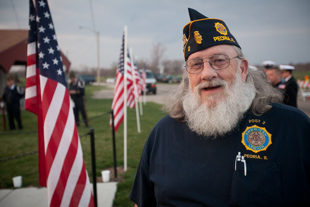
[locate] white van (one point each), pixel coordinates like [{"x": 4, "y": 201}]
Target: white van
[{"x": 150, "y": 81}]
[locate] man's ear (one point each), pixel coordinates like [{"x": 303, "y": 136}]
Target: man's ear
[{"x": 244, "y": 66}]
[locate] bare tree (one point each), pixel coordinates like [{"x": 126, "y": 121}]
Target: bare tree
[
  {"x": 157, "y": 55},
  {"x": 173, "y": 67}
]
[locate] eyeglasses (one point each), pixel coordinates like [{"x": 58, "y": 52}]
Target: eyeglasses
[{"x": 217, "y": 62}]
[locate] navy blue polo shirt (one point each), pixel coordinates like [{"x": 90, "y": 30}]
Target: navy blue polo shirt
[{"x": 264, "y": 161}]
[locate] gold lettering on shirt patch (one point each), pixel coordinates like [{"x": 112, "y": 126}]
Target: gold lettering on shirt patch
[
  {"x": 252, "y": 156},
  {"x": 254, "y": 121}
]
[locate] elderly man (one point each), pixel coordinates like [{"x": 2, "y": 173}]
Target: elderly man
[{"x": 225, "y": 142}]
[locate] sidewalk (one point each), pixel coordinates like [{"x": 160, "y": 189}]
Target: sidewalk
[{"x": 37, "y": 197}]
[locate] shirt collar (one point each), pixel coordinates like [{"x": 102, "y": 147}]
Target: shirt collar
[
  {"x": 12, "y": 87},
  {"x": 286, "y": 79}
]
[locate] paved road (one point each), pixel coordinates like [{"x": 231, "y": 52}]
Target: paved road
[
  {"x": 163, "y": 89},
  {"x": 37, "y": 197},
  {"x": 304, "y": 105}
]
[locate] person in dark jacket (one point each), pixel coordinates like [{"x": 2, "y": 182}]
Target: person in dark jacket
[
  {"x": 227, "y": 140},
  {"x": 11, "y": 96},
  {"x": 291, "y": 86},
  {"x": 77, "y": 91}
]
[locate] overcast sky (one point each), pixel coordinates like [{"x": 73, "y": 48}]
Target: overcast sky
[{"x": 277, "y": 30}]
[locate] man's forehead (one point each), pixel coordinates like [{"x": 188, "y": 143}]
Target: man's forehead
[{"x": 215, "y": 50}]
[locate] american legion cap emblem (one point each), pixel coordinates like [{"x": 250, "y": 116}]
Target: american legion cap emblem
[
  {"x": 256, "y": 138},
  {"x": 221, "y": 28}
]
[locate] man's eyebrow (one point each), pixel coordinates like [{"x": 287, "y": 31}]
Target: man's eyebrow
[{"x": 208, "y": 56}]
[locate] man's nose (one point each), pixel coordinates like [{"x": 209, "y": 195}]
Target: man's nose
[{"x": 208, "y": 73}]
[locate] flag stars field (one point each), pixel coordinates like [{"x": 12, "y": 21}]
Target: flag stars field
[
  {"x": 42, "y": 29},
  {"x": 51, "y": 50},
  {"x": 31, "y": 18},
  {"x": 55, "y": 61},
  {"x": 41, "y": 55},
  {"x": 46, "y": 40},
  {"x": 59, "y": 72},
  {"x": 45, "y": 65},
  {"x": 42, "y": 4},
  {"x": 46, "y": 15}
]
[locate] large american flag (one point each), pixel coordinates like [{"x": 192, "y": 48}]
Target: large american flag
[
  {"x": 118, "y": 99},
  {"x": 62, "y": 168}
]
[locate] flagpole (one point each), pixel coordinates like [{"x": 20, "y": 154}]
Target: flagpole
[
  {"x": 144, "y": 87},
  {"x": 125, "y": 99},
  {"x": 136, "y": 90},
  {"x": 141, "y": 108}
]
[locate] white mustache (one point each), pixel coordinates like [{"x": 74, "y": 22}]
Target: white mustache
[{"x": 213, "y": 83}]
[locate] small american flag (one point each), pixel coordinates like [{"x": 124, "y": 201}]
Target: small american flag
[
  {"x": 60, "y": 153},
  {"x": 118, "y": 99},
  {"x": 138, "y": 80},
  {"x": 143, "y": 76},
  {"x": 131, "y": 103}
]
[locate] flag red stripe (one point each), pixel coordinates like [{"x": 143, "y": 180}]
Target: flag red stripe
[
  {"x": 47, "y": 96},
  {"x": 117, "y": 120},
  {"x": 57, "y": 133},
  {"x": 31, "y": 81},
  {"x": 78, "y": 191},
  {"x": 30, "y": 105},
  {"x": 31, "y": 59},
  {"x": 66, "y": 168}
]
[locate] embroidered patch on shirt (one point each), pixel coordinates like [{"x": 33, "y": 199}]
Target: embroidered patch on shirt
[{"x": 256, "y": 138}]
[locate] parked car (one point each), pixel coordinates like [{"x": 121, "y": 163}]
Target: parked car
[
  {"x": 88, "y": 79},
  {"x": 150, "y": 82},
  {"x": 173, "y": 79},
  {"x": 160, "y": 77},
  {"x": 168, "y": 78}
]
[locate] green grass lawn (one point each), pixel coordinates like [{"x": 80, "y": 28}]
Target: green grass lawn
[
  {"x": 301, "y": 74},
  {"x": 15, "y": 143}
]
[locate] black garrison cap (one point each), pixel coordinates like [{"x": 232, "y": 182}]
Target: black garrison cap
[{"x": 203, "y": 32}]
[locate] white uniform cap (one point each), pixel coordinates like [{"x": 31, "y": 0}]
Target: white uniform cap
[
  {"x": 252, "y": 67},
  {"x": 286, "y": 67},
  {"x": 269, "y": 63}
]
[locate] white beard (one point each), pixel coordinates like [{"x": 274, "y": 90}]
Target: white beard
[{"x": 213, "y": 120}]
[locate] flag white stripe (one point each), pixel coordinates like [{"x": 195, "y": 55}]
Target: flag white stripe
[
  {"x": 118, "y": 103},
  {"x": 31, "y": 92},
  {"x": 31, "y": 71},
  {"x": 86, "y": 194},
  {"x": 31, "y": 48},
  {"x": 73, "y": 177},
  {"x": 119, "y": 86},
  {"x": 119, "y": 116},
  {"x": 53, "y": 113},
  {"x": 61, "y": 154},
  {"x": 42, "y": 84}
]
